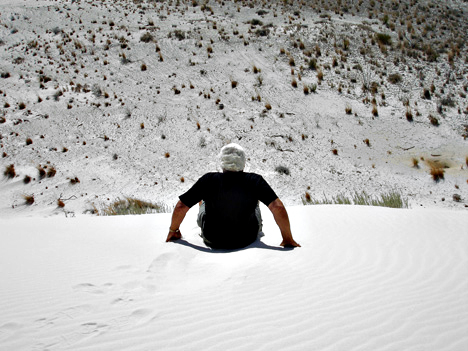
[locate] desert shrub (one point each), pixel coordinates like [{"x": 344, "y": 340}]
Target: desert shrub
[
  {"x": 143, "y": 67},
  {"x": 124, "y": 60},
  {"x": 21, "y": 106},
  {"x": 426, "y": 94},
  {"x": 434, "y": 121},
  {"x": 74, "y": 180},
  {"x": 29, "y": 141},
  {"x": 320, "y": 76},
  {"x": 383, "y": 38},
  {"x": 147, "y": 37},
  {"x": 348, "y": 110},
  {"x": 42, "y": 172},
  {"x": 282, "y": 170},
  {"x": 5, "y": 75},
  {"x": 394, "y": 78},
  {"x": 131, "y": 206},
  {"x": 447, "y": 101},
  {"x": 409, "y": 115},
  {"x": 375, "y": 112},
  {"x": 294, "y": 83},
  {"x": 179, "y": 34},
  {"x": 415, "y": 162},
  {"x": 26, "y": 179},
  {"x": 335, "y": 152},
  {"x": 233, "y": 83},
  {"x": 10, "y": 171},
  {"x": 256, "y": 22},
  {"x": 312, "y": 64},
  {"x": 29, "y": 199},
  {"x": 268, "y": 106},
  {"x": 262, "y": 32},
  {"x": 51, "y": 172},
  {"x": 436, "y": 170},
  {"x": 60, "y": 203},
  {"x": 57, "y": 95},
  {"x": 96, "y": 90}
]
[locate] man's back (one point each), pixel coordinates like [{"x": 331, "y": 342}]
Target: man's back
[{"x": 230, "y": 200}]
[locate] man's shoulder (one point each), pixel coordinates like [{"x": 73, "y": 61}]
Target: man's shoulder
[{"x": 253, "y": 175}]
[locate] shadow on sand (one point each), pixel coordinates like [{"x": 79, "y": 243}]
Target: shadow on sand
[{"x": 258, "y": 244}]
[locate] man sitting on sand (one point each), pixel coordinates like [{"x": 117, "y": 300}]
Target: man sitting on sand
[{"x": 229, "y": 215}]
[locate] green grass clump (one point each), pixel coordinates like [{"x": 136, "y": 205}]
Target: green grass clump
[
  {"x": 392, "y": 199},
  {"x": 131, "y": 206}
]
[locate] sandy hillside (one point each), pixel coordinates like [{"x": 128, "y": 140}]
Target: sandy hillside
[{"x": 119, "y": 98}]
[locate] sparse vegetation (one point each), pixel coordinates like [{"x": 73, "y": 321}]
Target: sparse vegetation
[
  {"x": 10, "y": 171},
  {"x": 392, "y": 199},
  {"x": 282, "y": 170},
  {"x": 436, "y": 170},
  {"x": 434, "y": 121},
  {"x": 147, "y": 37},
  {"x": 28, "y": 199},
  {"x": 131, "y": 206}
]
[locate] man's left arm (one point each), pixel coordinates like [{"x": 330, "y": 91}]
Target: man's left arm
[{"x": 178, "y": 216}]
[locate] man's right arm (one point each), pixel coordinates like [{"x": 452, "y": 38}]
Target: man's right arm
[{"x": 282, "y": 220}]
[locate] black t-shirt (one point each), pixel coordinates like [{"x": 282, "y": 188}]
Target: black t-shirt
[{"x": 230, "y": 200}]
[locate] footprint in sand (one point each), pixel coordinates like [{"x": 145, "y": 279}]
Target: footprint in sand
[
  {"x": 93, "y": 289},
  {"x": 66, "y": 314},
  {"x": 136, "y": 318},
  {"x": 65, "y": 341}
]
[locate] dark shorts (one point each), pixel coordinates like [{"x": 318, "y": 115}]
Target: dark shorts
[{"x": 201, "y": 220}]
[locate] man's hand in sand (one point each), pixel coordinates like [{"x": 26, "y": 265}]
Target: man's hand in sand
[
  {"x": 173, "y": 236},
  {"x": 289, "y": 243}
]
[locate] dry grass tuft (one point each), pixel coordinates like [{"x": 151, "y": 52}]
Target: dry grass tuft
[
  {"x": 29, "y": 199},
  {"x": 409, "y": 115},
  {"x": 436, "y": 170},
  {"x": 42, "y": 172},
  {"x": 320, "y": 76},
  {"x": 10, "y": 171},
  {"x": 434, "y": 121},
  {"x": 131, "y": 206},
  {"x": 51, "y": 172},
  {"x": 74, "y": 181}
]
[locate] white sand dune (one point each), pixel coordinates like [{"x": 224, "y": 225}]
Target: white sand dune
[{"x": 364, "y": 279}]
